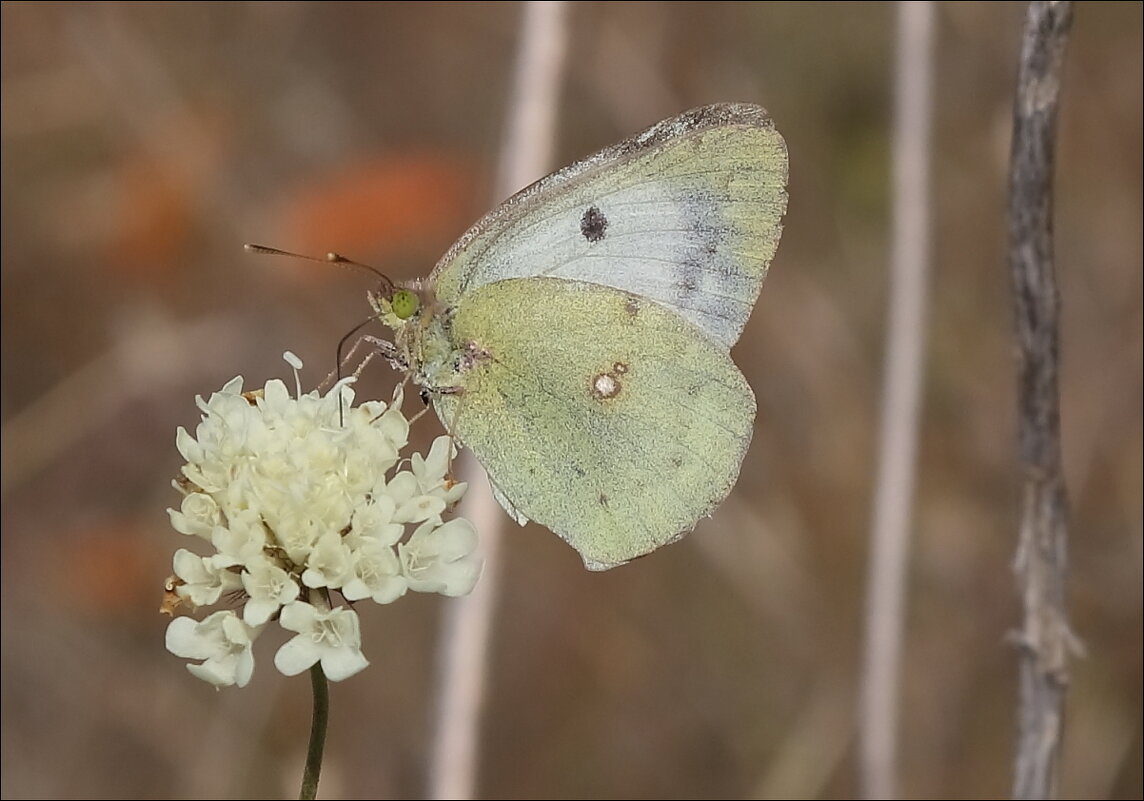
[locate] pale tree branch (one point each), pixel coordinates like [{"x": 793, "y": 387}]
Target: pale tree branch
[
  {"x": 465, "y": 634},
  {"x": 901, "y": 403},
  {"x": 1042, "y": 557}
]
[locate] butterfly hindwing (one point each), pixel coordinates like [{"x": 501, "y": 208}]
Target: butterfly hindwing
[{"x": 601, "y": 415}]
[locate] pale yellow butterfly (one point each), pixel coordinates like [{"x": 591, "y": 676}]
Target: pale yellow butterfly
[{"x": 577, "y": 338}]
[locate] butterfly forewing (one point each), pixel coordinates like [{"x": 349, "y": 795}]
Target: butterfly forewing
[{"x": 687, "y": 213}]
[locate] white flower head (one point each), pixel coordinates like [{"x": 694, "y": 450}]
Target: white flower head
[{"x": 297, "y": 495}]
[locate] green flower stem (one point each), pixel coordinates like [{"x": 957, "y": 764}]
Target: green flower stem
[{"x": 313, "y": 770}]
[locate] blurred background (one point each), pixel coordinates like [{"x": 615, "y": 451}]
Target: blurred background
[{"x": 144, "y": 143}]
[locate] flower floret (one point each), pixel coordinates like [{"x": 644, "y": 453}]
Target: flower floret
[
  {"x": 221, "y": 640},
  {"x": 442, "y": 558},
  {"x": 332, "y": 637}
]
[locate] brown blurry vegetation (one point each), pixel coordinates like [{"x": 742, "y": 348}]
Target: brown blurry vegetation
[{"x": 144, "y": 143}]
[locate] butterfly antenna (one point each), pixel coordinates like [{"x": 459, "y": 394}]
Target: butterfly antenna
[
  {"x": 334, "y": 258},
  {"x": 329, "y": 258}
]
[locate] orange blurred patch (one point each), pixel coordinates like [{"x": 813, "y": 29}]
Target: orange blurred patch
[
  {"x": 157, "y": 198},
  {"x": 107, "y": 569},
  {"x": 154, "y": 218},
  {"x": 390, "y": 204}
]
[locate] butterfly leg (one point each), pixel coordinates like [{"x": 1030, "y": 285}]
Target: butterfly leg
[
  {"x": 470, "y": 355},
  {"x": 427, "y": 394},
  {"x": 380, "y": 347}
]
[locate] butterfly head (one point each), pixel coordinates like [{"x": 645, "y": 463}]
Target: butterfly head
[{"x": 395, "y": 306}]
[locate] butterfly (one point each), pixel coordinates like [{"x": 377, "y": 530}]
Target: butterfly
[{"x": 576, "y": 339}]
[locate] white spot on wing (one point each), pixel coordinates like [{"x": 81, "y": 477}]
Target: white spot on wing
[{"x": 605, "y": 386}]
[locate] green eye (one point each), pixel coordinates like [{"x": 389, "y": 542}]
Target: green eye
[{"x": 404, "y": 304}]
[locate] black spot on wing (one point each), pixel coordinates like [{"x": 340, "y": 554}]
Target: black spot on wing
[{"x": 593, "y": 224}]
